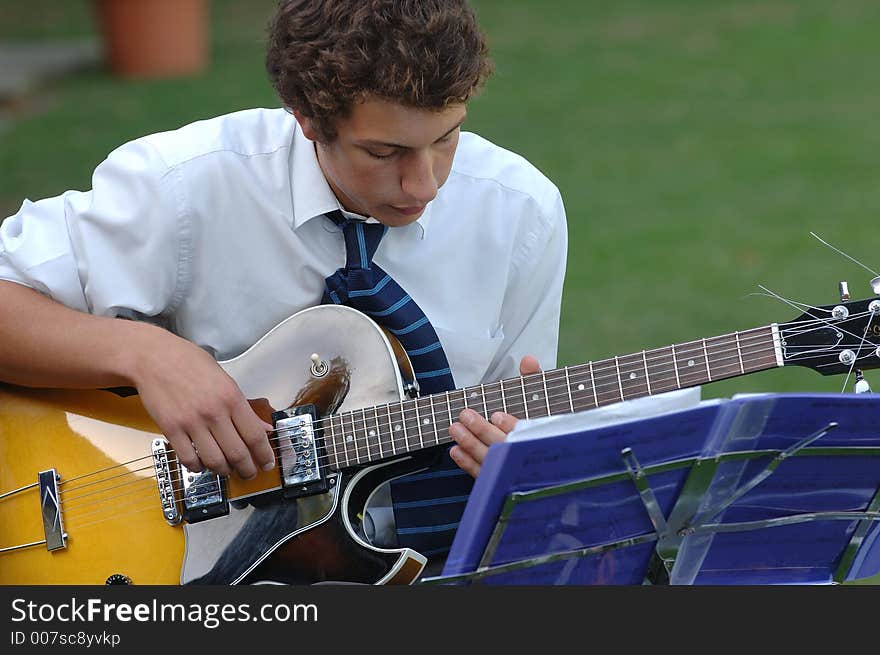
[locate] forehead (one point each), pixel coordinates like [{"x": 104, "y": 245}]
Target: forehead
[{"x": 376, "y": 120}]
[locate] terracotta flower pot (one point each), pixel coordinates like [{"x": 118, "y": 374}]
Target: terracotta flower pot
[{"x": 154, "y": 38}]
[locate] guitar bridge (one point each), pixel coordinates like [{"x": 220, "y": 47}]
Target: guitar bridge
[
  {"x": 302, "y": 473},
  {"x": 203, "y": 494}
]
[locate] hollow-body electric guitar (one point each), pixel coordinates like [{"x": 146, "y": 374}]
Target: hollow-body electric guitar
[{"x": 91, "y": 493}]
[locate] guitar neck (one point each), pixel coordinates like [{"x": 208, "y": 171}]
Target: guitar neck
[{"x": 374, "y": 433}]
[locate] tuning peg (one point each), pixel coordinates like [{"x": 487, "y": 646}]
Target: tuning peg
[
  {"x": 862, "y": 385},
  {"x": 875, "y": 285},
  {"x": 844, "y": 291}
]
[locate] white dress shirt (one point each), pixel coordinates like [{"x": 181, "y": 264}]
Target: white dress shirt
[{"x": 215, "y": 231}]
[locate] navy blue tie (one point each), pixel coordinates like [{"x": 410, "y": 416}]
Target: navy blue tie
[{"x": 428, "y": 505}]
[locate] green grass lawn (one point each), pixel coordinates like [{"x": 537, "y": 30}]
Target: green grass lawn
[{"x": 696, "y": 144}]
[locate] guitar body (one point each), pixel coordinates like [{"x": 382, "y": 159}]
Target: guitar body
[{"x": 99, "y": 444}]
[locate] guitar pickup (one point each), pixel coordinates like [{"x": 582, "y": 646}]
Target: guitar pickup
[
  {"x": 302, "y": 472},
  {"x": 204, "y": 495}
]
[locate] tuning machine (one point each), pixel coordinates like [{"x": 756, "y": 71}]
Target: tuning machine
[{"x": 875, "y": 285}]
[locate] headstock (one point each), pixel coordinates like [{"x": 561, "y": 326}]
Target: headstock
[{"x": 835, "y": 338}]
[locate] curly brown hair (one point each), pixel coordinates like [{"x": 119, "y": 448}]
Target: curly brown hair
[{"x": 324, "y": 56}]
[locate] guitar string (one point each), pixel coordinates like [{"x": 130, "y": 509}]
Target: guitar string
[
  {"x": 575, "y": 369},
  {"x": 572, "y": 370},
  {"x": 151, "y": 479},
  {"x": 514, "y": 403}
]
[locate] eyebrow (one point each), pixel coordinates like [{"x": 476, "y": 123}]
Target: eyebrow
[{"x": 397, "y": 145}]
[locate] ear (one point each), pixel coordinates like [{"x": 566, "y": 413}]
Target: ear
[{"x": 308, "y": 127}]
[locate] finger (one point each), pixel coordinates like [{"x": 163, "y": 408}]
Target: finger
[
  {"x": 529, "y": 365},
  {"x": 483, "y": 429},
  {"x": 465, "y": 462},
  {"x": 468, "y": 442},
  {"x": 504, "y": 422},
  {"x": 186, "y": 453},
  {"x": 234, "y": 448},
  {"x": 253, "y": 431},
  {"x": 208, "y": 451}
]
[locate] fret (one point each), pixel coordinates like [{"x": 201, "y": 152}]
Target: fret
[
  {"x": 350, "y": 437},
  {"x": 536, "y": 396},
  {"x": 647, "y": 377},
  {"x": 449, "y": 409},
  {"x": 391, "y": 430},
  {"x": 464, "y": 397},
  {"x": 344, "y": 443},
  {"x": 333, "y": 443},
  {"x": 485, "y": 408},
  {"x": 568, "y": 388},
  {"x": 606, "y": 379},
  {"x": 400, "y": 426},
  {"x": 546, "y": 393},
  {"x": 723, "y": 363},
  {"x": 758, "y": 351},
  {"x": 593, "y": 384},
  {"x": 675, "y": 368},
  {"x": 742, "y": 369},
  {"x": 522, "y": 385},
  {"x": 691, "y": 363},
  {"x": 411, "y": 426},
  {"x": 492, "y": 399},
  {"x": 434, "y": 421},
  {"x": 619, "y": 381},
  {"x": 374, "y": 450},
  {"x": 503, "y": 399},
  {"x": 632, "y": 377},
  {"x": 378, "y": 431},
  {"x": 424, "y": 411},
  {"x": 661, "y": 370},
  {"x": 556, "y": 392},
  {"x": 419, "y": 424},
  {"x": 706, "y": 355},
  {"x": 578, "y": 380}
]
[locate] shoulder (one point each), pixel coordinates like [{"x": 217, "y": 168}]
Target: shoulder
[
  {"x": 243, "y": 134},
  {"x": 488, "y": 169}
]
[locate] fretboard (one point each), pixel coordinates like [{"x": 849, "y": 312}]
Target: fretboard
[{"x": 370, "y": 434}]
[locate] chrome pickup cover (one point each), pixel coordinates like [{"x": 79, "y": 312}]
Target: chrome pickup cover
[{"x": 301, "y": 470}]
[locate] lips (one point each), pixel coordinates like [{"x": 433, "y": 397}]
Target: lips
[{"x": 409, "y": 211}]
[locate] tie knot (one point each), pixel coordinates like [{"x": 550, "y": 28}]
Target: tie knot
[{"x": 361, "y": 239}]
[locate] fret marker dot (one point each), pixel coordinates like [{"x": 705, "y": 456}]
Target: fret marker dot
[
  {"x": 426, "y": 421},
  {"x": 397, "y": 428},
  {"x": 690, "y": 362},
  {"x": 372, "y": 433},
  {"x": 535, "y": 396},
  {"x": 349, "y": 438},
  {"x": 632, "y": 376},
  {"x": 580, "y": 387},
  {"x": 473, "y": 394}
]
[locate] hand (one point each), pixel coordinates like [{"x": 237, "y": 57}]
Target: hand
[
  {"x": 199, "y": 407},
  {"x": 474, "y": 434}
]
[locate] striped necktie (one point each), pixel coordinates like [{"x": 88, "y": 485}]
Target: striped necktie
[{"x": 427, "y": 505}]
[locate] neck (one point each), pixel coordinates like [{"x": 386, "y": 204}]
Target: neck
[{"x": 374, "y": 433}]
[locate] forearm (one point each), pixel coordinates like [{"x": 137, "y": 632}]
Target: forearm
[{"x": 45, "y": 344}]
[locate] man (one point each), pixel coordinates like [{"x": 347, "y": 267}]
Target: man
[{"x": 208, "y": 236}]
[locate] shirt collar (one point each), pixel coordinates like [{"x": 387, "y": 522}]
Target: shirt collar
[{"x": 312, "y": 195}]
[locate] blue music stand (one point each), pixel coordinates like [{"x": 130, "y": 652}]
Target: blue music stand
[{"x": 759, "y": 489}]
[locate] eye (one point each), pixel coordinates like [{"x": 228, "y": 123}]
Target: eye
[{"x": 378, "y": 155}]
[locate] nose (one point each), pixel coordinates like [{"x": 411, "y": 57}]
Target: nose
[{"x": 417, "y": 179}]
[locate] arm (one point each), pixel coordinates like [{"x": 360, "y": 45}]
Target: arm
[
  {"x": 191, "y": 399},
  {"x": 109, "y": 252}
]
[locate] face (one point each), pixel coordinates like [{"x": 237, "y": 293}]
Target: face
[{"x": 388, "y": 160}]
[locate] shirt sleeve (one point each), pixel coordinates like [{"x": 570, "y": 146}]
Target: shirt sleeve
[
  {"x": 533, "y": 300},
  {"x": 112, "y": 251}
]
